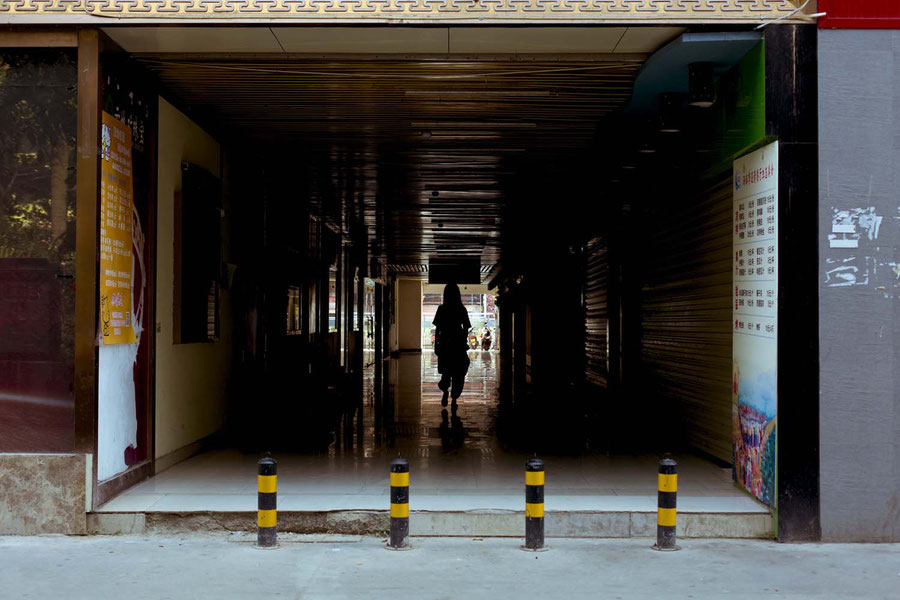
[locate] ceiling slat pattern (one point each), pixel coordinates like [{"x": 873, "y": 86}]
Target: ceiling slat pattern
[{"x": 432, "y": 150}]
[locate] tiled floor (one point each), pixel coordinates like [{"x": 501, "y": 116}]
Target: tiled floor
[{"x": 456, "y": 464}]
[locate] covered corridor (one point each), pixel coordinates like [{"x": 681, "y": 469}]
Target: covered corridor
[{"x": 349, "y": 182}]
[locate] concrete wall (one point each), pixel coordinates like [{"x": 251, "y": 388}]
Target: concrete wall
[
  {"x": 409, "y": 314},
  {"x": 859, "y": 303},
  {"x": 191, "y": 379}
]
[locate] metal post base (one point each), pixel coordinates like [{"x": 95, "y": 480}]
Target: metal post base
[{"x": 398, "y": 548}]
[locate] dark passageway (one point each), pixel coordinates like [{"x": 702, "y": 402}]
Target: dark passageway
[{"x": 587, "y": 195}]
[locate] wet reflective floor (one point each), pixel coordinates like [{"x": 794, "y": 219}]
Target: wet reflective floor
[
  {"x": 424, "y": 430},
  {"x": 457, "y": 461}
]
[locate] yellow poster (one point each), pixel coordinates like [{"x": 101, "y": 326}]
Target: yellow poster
[{"x": 116, "y": 222}]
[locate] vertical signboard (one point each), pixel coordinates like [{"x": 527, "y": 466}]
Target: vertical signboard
[
  {"x": 755, "y": 320},
  {"x": 116, "y": 222}
]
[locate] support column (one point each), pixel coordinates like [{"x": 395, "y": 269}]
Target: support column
[
  {"x": 86, "y": 240},
  {"x": 409, "y": 314},
  {"x": 792, "y": 117},
  {"x": 505, "y": 340},
  {"x": 378, "y": 382}
]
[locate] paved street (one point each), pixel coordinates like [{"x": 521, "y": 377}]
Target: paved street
[{"x": 311, "y": 567}]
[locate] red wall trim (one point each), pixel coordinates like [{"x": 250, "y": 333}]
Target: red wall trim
[{"x": 859, "y": 14}]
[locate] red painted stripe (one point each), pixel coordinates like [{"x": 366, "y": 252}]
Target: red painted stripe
[{"x": 855, "y": 14}]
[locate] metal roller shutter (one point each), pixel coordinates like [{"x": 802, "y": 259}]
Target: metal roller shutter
[
  {"x": 596, "y": 334},
  {"x": 686, "y": 316}
]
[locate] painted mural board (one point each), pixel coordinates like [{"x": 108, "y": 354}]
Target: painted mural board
[
  {"x": 755, "y": 321},
  {"x": 116, "y": 224}
]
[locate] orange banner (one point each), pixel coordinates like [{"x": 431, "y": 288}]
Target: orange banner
[{"x": 116, "y": 225}]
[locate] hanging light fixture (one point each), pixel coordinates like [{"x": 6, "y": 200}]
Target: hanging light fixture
[
  {"x": 670, "y": 112},
  {"x": 701, "y": 84},
  {"x": 646, "y": 148}
]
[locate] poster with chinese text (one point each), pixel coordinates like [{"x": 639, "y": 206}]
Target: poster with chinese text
[
  {"x": 116, "y": 223},
  {"x": 755, "y": 321}
]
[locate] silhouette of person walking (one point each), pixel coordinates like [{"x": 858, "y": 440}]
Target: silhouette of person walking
[{"x": 451, "y": 323}]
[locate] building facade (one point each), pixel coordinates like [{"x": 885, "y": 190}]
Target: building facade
[{"x": 265, "y": 295}]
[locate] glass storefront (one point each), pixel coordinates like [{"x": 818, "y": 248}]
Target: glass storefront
[{"x": 37, "y": 249}]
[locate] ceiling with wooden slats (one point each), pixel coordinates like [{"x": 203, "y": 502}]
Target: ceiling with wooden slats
[{"x": 434, "y": 151}]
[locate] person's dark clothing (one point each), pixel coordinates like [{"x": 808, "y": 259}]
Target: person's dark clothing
[
  {"x": 454, "y": 381},
  {"x": 452, "y": 325}
]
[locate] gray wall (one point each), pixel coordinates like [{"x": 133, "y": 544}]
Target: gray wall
[{"x": 859, "y": 304}]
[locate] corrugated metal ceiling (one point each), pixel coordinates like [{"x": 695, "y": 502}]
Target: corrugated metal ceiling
[{"x": 429, "y": 145}]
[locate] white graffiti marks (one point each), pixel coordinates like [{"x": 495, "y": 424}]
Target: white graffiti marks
[
  {"x": 850, "y": 225},
  {"x": 853, "y": 270},
  {"x": 871, "y": 262}
]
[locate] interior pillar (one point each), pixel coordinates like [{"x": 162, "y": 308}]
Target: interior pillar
[
  {"x": 378, "y": 381},
  {"x": 409, "y": 317},
  {"x": 792, "y": 117}
]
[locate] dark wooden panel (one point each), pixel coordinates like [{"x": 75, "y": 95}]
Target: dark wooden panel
[
  {"x": 38, "y": 38},
  {"x": 110, "y": 488},
  {"x": 86, "y": 242}
]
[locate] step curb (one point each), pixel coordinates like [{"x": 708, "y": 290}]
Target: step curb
[{"x": 470, "y": 523}]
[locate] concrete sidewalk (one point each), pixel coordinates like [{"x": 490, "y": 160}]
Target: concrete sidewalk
[{"x": 227, "y": 567}]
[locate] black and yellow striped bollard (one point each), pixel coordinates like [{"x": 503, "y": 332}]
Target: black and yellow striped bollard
[
  {"x": 666, "y": 503},
  {"x": 534, "y": 505},
  {"x": 266, "y": 515},
  {"x": 399, "y": 539}
]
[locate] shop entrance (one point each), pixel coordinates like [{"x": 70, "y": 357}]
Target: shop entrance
[{"x": 338, "y": 193}]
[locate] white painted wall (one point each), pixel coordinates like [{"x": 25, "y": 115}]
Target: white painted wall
[
  {"x": 191, "y": 379},
  {"x": 116, "y": 412}
]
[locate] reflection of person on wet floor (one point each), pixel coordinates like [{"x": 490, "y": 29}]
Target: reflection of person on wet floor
[
  {"x": 451, "y": 431},
  {"x": 451, "y": 323}
]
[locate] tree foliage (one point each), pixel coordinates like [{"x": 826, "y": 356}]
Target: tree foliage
[{"x": 37, "y": 141}]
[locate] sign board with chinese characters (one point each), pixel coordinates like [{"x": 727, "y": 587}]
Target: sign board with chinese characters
[
  {"x": 116, "y": 223},
  {"x": 755, "y": 320}
]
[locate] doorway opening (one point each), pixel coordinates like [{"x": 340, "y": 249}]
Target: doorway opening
[{"x": 344, "y": 179}]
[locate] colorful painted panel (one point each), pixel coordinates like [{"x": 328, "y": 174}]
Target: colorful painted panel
[{"x": 755, "y": 320}]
